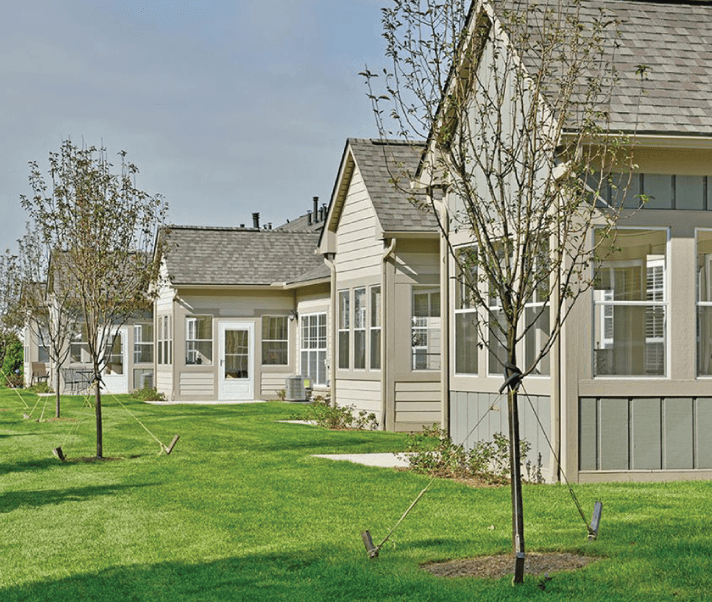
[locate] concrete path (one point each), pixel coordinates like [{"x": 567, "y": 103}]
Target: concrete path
[
  {"x": 203, "y": 403},
  {"x": 382, "y": 460}
]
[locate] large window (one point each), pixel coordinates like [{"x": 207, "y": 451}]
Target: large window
[
  {"x": 375, "y": 329},
  {"x": 79, "y": 347},
  {"x": 630, "y": 304},
  {"x": 704, "y": 302},
  {"x": 425, "y": 331},
  {"x": 199, "y": 340},
  {"x": 466, "y": 338},
  {"x": 275, "y": 340},
  {"x": 360, "y": 329},
  {"x": 344, "y": 326},
  {"x": 313, "y": 347},
  {"x": 143, "y": 343},
  {"x": 42, "y": 346},
  {"x": 165, "y": 340}
]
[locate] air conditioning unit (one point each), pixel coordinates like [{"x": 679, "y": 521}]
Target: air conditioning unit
[{"x": 294, "y": 388}]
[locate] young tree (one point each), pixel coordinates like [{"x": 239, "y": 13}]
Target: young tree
[
  {"x": 100, "y": 229},
  {"x": 514, "y": 100}
]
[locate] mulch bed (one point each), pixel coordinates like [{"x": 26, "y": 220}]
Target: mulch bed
[{"x": 496, "y": 567}]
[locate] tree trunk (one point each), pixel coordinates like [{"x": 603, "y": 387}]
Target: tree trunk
[
  {"x": 56, "y": 389},
  {"x": 516, "y": 485},
  {"x": 99, "y": 432}
]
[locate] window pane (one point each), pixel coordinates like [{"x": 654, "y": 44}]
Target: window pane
[
  {"x": 425, "y": 331},
  {"x": 689, "y": 192},
  {"x": 344, "y": 350},
  {"x": 199, "y": 340},
  {"x": 360, "y": 308},
  {"x": 344, "y": 309},
  {"x": 375, "y": 349},
  {"x": 275, "y": 340},
  {"x": 497, "y": 350},
  {"x": 630, "y": 311},
  {"x": 466, "y": 343},
  {"x": 535, "y": 338},
  {"x": 658, "y": 189},
  {"x": 375, "y": 306},
  {"x": 359, "y": 349},
  {"x": 275, "y": 353}
]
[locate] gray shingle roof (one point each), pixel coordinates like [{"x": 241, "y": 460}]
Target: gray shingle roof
[
  {"x": 673, "y": 39},
  {"x": 382, "y": 164},
  {"x": 239, "y": 256}
]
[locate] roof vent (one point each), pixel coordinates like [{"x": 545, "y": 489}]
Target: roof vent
[{"x": 256, "y": 220}]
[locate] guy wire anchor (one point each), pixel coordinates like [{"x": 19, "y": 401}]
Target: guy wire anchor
[{"x": 595, "y": 521}]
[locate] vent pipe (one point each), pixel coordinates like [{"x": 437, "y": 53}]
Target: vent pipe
[
  {"x": 256, "y": 220},
  {"x": 309, "y": 218},
  {"x": 315, "y": 212}
]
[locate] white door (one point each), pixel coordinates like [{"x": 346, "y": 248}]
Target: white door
[
  {"x": 237, "y": 377},
  {"x": 116, "y": 372}
]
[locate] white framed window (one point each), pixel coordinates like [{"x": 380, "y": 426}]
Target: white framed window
[
  {"x": 165, "y": 340},
  {"x": 313, "y": 347},
  {"x": 360, "y": 329},
  {"x": 344, "y": 329},
  {"x": 375, "y": 329},
  {"x": 275, "y": 340},
  {"x": 199, "y": 340},
  {"x": 425, "y": 329},
  {"x": 630, "y": 303},
  {"x": 79, "y": 345},
  {"x": 466, "y": 319},
  {"x": 143, "y": 343}
]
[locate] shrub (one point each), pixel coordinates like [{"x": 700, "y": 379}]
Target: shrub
[
  {"x": 12, "y": 366},
  {"x": 41, "y": 388},
  {"x": 432, "y": 452},
  {"x": 332, "y": 416},
  {"x": 148, "y": 394},
  {"x": 281, "y": 395}
]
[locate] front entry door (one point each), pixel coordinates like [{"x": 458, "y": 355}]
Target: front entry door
[
  {"x": 116, "y": 372},
  {"x": 237, "y": 378}
]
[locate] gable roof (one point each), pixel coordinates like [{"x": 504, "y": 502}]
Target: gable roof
[
  {"x": 383, "y": 165},
  {"x": 674, "y": 41},
  {"x": 198, "y": 255}
]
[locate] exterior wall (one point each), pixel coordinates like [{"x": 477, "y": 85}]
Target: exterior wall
[
  {"x": 413, "y": 396},
  {"x": 644, "y": 427},
  {"x": 201, "y": 382}
]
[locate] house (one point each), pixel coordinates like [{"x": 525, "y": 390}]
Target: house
[
  {"x": 239, "y": 311},
  {"x": 385, "y": 256},
  {"x": 626, "y": 393}
]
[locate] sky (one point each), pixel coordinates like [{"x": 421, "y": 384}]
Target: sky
[{"x": 226, "y": 107}]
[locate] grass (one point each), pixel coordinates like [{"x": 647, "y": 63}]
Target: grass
[{"x": 242, "y": 511}]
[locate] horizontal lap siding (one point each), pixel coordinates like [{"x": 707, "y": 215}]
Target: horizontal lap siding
[
  {"x": 645, "y": 433},
  {"x": 196, "y": 384},
  {"x": 273, "y": 382},
  {"x": 478, "y": 416},
  {"x": 362, "y": 394},
  {"x": 164, "y": 382},
  {"x": 358, "y": 252},
  {"x": 417, "y": 404}
]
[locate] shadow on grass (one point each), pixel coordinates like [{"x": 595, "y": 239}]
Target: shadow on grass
[
  {"x": 29, "y": 465},
  {"x": 35, "y": 499},
  {"x": 299, "y": 576}
]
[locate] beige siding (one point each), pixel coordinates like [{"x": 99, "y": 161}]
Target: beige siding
[
  {"x": 271, "y": 382},
  {"x": 362, "y": 394},
  {"x": 417, "y": 405},
  {"x": 358, "y": 252},
  {"x": 196, "y": 384}
]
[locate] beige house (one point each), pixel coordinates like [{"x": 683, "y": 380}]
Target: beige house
[
  {"x": 384, "y": 255},
  {"x": 626, "y": 394},
  {"x": 240, "y": 310}
]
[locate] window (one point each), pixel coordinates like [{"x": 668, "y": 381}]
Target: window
[
  {"x": 375, "y": 329},
  {"x": 537, "y": 318},
  {"x": 704, "y": 302},
  {"x": 344, "y": 325},
  {"x": 114, "y": 354},
  {"x": 79, "y": 347},
  {"x": 275, "y": 340},
  {"x": 465, "y": 312},
  {"x": 630, "y": 304},
  {"x": 360, "y": 329},
  {"x": 313, "y": 347},
  {"x": 143, "y": 343},
  {"x": 661, "y": 191},
  {"x": 42, "y": 346},
  {"x": 199, "y": 340},
  {"x": 425, "y": 331},
  {"x": 165, "y": 340}
]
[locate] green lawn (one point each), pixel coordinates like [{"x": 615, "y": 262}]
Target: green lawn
[{"x": 241, "y": 511}]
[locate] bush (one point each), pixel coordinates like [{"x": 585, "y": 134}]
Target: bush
[
  {"x": 148, "y": 394},
  {"x": 335, "y": 417},
  {"x": 41, "y": 388},
  {"x": 432, "y": 452},
  {"x": 12, "y": 366}
]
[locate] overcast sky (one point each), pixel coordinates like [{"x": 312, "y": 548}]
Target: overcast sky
[{"x": 226, "y": 107}]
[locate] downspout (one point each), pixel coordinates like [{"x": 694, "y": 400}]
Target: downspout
[
  {"x": 390, "y": 249},
  {"x": 331, "y": 263}
]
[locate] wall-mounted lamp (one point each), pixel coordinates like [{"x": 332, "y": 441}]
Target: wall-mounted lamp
[{"x": 293, "y": 315}]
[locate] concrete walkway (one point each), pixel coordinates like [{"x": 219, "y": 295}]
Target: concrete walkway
[
  {"x": 381, "y": 460},
  {"x": 203, "y": 403}
]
